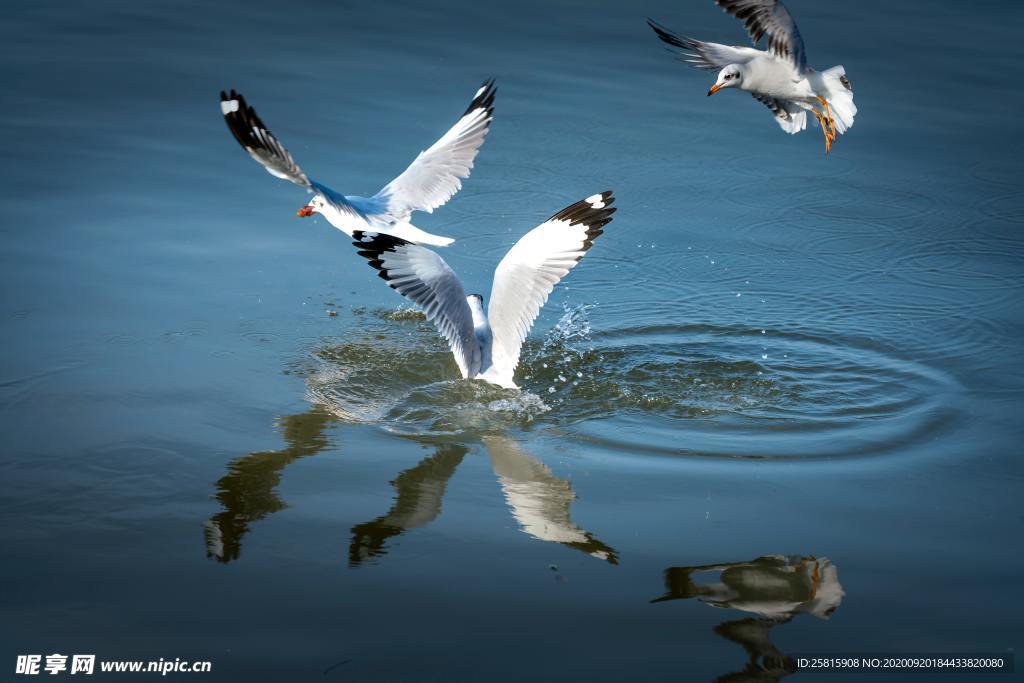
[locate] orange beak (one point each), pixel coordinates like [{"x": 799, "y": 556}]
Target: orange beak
[
  {"x": 715, "y": 88},
  {"x": 305, "y": 211}
]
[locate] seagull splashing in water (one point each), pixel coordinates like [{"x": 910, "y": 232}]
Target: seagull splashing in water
[
  {"x": 486, "y": 344},
  {"x": 430, "y": 181},
  {"x": 777, "y": 77}
]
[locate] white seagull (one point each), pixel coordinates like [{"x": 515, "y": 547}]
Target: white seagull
[
  {"x": 778, "y": 77},
  {"x": 430, "y": 181},
  {"x": 486, "y": 345}
]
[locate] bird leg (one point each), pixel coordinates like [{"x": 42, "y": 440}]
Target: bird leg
[
  {"x": 828, "y": 114},
  {"x": 824, "y": 130}
]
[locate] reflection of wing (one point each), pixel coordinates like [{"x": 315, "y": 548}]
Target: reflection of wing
[
  {"x": 771, "y": 18},
  {"x": 703, "y": 55},
  {"x": 539, "y": 500},
  {"x": 418, "y": 494},
  {"x": 437, "y": 173},
  {"x": 257, "y": 140},
  {"x": 247, "y": 491},
  {"x": 423, "y": 277},
  {"x": 529, "y": 272}
]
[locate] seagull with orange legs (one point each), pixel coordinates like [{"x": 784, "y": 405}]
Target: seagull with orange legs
[
  {"x": 777, "y": 77},
  {"x": 430, "y": 181}
]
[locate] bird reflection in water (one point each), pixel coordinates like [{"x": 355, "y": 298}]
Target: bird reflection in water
[
  {"x": 538, "y": 500},
  {"x": 247, "y": 491},
  {"x": 417, "y": 503},
  {"x": 775, "y": 588}
]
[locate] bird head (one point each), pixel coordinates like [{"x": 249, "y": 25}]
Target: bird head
[
  {"x": 729, "y": 77},
  {"x": 315, "y": 205}
]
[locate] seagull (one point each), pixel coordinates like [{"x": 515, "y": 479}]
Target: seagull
[
  {"x": 779, "y": 78},
  {"x": 486, "y": 345},
  {"x": 430, "y": 181}
]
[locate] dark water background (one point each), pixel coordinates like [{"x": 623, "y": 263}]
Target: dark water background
[{"x": 784, "y": 386}]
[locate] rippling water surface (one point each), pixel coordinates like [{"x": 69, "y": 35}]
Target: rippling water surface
[{"x": 779, "y": 385}]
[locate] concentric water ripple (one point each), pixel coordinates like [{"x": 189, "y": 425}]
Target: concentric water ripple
[
  {"x": 694, "y": 390},
  {"x": 740, "y": 393}
]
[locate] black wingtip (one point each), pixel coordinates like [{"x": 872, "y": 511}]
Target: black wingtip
[
  {"x": 484, "y": 98},
  {"x": 663, "y": 32},
  {"x": 594, "y": 212},
  {"x": 371, "y": 245},
  {"x": 673, "y": 39},
  {"x": 377, "y": 241},
  {"x": 240, "y": 119}
]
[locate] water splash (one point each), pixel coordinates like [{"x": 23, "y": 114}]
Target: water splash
[{"x": 679, "y": 389}]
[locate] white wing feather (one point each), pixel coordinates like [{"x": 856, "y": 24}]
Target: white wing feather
[
  {"x": 771, "y": 18},
  {"x": 790, "y": 116},
  {"x": 436, "y": 174},
  {"x": 529, "y": 272},
  {"x": 423, "y": 277},
  {"x": 703, "y": 55}
]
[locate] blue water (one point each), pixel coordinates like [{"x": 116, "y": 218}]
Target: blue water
[{"x": 783, "y": 386}]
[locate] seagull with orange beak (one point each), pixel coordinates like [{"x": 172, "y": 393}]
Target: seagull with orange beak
[
  {"x": 430, "y": 181},
  {"x": 777, "y": 77}
]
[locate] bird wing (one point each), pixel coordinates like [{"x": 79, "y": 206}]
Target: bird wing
[
  {"x": 419, "y": 491},
  {"x": 771, "y": 18},
  {"x": 257, "y": 140},
  {"x": 436, "y": 174},
  {"x": 532, "y": 268},
  {"x": 703, "y": 55},
  {"x": 540, "y": 501},
  {"x": 423, "y": 277},
  {"x": 790, "y": 116}
]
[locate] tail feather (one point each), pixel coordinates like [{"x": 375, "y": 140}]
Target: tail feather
[{"x": 839, "y": 96}]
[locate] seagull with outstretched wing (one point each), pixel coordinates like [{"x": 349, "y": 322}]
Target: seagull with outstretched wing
[
  {"x": 777, "y": 77},
  {"x": 486, "y": 344},
  {"x": 430, "y": 181}
]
